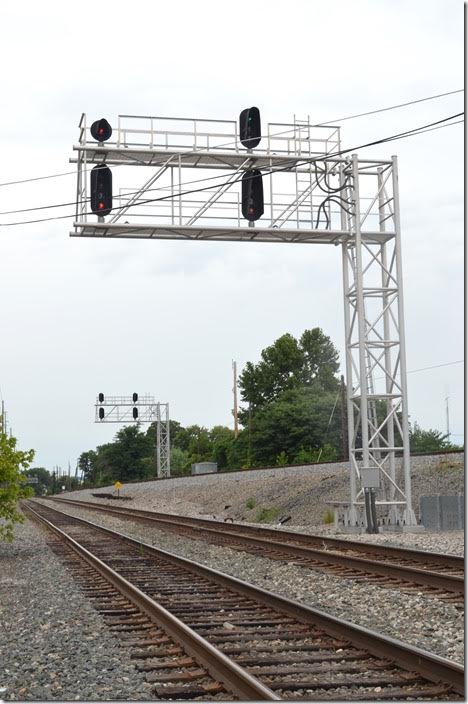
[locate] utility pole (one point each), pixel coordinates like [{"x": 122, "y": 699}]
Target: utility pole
[
  {"x": 234, "y": 391},
  {"x": 3, "y": 426},
  {"x": 447, "y": 417}
]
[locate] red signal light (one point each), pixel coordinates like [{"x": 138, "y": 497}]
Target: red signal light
[
  {"x": 101, "y": 130},
  {"x": 101, "y": 190},
  {"x": 252, "y": 195}
]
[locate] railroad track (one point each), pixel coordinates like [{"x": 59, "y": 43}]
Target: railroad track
[
  {"x": 437, "y": 575},
  {"x": 196, "y": 632}
]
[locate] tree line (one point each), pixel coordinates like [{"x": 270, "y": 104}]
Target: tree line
[{"x": 290, "y": 414}]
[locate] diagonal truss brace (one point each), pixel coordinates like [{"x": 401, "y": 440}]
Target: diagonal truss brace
[
  {"x": 221, "y": 190},
  {"x": 136, "y": 196}
]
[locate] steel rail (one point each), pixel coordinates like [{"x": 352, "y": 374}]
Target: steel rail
[
  {"x": 235, "y": 678},
  {"x": 444, "y": 559},
  {"x": 408, "y": 657},
  {"x": 273, "y": 540}
]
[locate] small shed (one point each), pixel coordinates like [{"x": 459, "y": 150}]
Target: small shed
[{"x": 204, "y": 467}]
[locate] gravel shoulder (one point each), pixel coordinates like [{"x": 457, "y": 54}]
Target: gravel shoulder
[
  {"x": 53, "y": 645},
  {"x": 301, "y": 493},
  {"x": 412, "y": 618}
]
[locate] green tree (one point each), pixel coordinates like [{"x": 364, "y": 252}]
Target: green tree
[
  {"x": 279, "y": 369},
  {"x": 130, "y": 456},
  {"x": 427, "y": 440},
  {"x": 123, "y": 459},
  {"x": 320, "y": 360},
  {"x": 175, "y": 433},
  {"x": 13, "y": 463},
  {"x": 239, "y": 451},
  {"x": 289, "y": 364},
  {"x": 104, "y": 469},
  {"x": 323, "y": 454},
  {"x": 180, "y": 461},
  {"x": 222, "y": 439},
  {"x": 87, "y": 464},
  {"x": 199, "y": 444},
  {"x": 297, "y": 420},
  {"x": 44, "y": 484}
]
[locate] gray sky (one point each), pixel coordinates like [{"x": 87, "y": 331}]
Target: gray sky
[{"x": 81, "y": 316}]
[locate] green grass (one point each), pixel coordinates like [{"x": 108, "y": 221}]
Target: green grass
[
  {"x": 328, "y": 516},
  {"x": 250, "y": 503},
  {"x": 267, "y": 515}
]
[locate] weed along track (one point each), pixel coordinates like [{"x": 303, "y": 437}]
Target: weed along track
[
  {"x": 437, "y": 575},
  {"x": 196, "y": 632}
]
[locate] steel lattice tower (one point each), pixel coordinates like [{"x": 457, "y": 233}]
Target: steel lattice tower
[
  {"x": 315, "y": 195},
  {"x": 119, "y": 409}
]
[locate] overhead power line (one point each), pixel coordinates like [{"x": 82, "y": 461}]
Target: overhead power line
[
  {"x": 293, "y": 162},
  {"x": 394, "y": 107},
  {"x": 277, "y": 134},
  {"x": 436, "y": 366},
  {"x": 424, "y": 369},
  {"x": 185, "y": 183}
]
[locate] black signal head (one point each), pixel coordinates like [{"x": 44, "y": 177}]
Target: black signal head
[
  {"x": 250, "y": 131},
  {"x": 252, "y": 195},
  {"x": 101, "y": 190},
  {"x": 101, "y": 130}
]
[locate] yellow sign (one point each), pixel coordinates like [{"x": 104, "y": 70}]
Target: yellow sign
[{"x": 118, "y": 485}]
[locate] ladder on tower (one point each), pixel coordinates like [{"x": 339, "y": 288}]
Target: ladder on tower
[{"x": 298, "y": 145}]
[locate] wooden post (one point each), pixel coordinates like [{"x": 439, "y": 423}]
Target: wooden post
[{"x": 234, "y": 390}]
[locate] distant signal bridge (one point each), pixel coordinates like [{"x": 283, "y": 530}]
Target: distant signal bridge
[{"x": 139, "y": 409}]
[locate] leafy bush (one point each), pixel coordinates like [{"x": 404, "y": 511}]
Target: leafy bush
[
  {"x": 250, "y": 503},
  {"x": 282, "y": 459},
  {"x": 313, "y": 455},
  {"x": 180, "y": 461},
  {"x": 328, "y": 516},
  {"x": 267, "y": 515},
  {"x": 13, "y": 463}
]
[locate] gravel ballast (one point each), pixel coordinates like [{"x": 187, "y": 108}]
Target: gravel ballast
[
  {"x": 304, "y": 494},
  {"x": 53, "y": 644},
  {"x": 412, "y": 618}
]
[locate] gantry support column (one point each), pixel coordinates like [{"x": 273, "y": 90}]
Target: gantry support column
[
  {"x": 375, "y": 359},
  {"x": 408, "y": 516}
]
